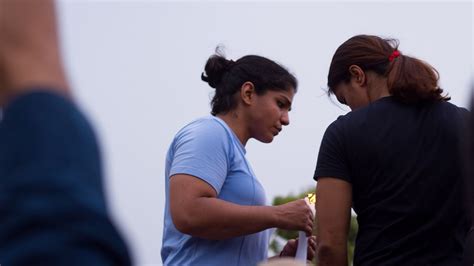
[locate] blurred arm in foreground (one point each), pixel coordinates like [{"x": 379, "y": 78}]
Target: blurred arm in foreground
[{"x": 51, "y": 193}]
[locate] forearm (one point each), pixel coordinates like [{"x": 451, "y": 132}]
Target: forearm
[{"x": 212, "y": 218}]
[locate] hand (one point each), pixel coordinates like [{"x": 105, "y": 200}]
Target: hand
[
  {"x": 295, "y": 215},
  {"x": 289, "y": 250}
]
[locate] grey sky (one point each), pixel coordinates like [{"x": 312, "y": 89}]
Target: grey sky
[{"x": 136, "y": 65}]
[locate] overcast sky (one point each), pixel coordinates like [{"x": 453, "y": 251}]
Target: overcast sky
[{"x": 135, "y": 67}]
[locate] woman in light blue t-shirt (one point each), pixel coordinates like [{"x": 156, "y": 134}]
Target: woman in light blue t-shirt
[{"x": 216, "y": 211}]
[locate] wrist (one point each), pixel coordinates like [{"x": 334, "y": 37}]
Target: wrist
[{"x": 275, "y": 216}]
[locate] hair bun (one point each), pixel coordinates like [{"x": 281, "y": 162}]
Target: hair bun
[{"x": 216, "y": 67}]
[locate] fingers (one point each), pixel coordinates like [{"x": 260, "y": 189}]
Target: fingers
[
  {"x": 289, "y": 250},
  {"x": 311, "y": 247},
  {"x": 312, "y": 242},
  {"x": 308, "y": 219},
  {"x": 292, "y": 243},
  {"x": 296, "y": 215},
  {"x": 309, "y": 226},
  {"x": 309, "y": 231},
  {"x": 308, "y": 214}
]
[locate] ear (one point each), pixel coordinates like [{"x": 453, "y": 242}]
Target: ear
[
  {"x": 357, "y": 75},
  {"x": 247, "y": 92}
]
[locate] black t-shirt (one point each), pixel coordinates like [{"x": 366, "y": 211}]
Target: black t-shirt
[{"x": 404, "y": 164}]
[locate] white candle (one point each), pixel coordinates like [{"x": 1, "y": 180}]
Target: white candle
[{"x": 302, "y": 250}]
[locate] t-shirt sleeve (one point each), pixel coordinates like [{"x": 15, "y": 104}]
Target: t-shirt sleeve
[
  {"x": 53, "y": 207},
  {"x": 332, "y": 157},
  {"x": 202, "y": 151}
]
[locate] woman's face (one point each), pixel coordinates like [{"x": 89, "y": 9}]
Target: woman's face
[
  {"x": 270, "y": 113},
  {"x": 351, "y": 94}
]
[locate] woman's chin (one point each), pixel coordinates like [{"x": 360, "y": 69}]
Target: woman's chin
[{"x": 266, "y": 139}]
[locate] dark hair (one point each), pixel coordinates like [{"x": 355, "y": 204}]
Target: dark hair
[
  {"x": 408, "y": 79},
  {"x": 227, "y": 77}
]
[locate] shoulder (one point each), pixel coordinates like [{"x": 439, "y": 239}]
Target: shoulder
[
  {"x": 456, "y": 116},
  {"x": 354, "y": 121},
  {"x": 460, "y": 110},
  {"x": 341, "y": 122},
  {"x": 449, "y": 113},
  {"x": 358, "y": 116},
  {"x": 202, "y": 127},
  {"x": 203, "y": 132}
]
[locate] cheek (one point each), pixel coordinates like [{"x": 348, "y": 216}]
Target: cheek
[
  {"x": 268, "y": 111},
  {"x": 276, "y": 110}
]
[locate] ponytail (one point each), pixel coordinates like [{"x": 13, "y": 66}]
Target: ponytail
[
  {"x": 408, "y": 79},
  {"x": 412, "y": 80}
]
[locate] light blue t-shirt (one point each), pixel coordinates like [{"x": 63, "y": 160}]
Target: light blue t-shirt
[{"x": 208, "y": 149}]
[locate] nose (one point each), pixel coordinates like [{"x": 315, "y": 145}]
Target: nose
[{"x": 285, "y": 119}]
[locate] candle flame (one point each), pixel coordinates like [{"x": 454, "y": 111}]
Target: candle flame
[{"x": 312, "y": 198}]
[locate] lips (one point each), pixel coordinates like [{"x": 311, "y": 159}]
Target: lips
[{"x": 276, "y": 131}]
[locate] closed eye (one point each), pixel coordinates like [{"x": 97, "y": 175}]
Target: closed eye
[
  {"x": 280, "y": 104},
  {"x": 284, "y": 104}
]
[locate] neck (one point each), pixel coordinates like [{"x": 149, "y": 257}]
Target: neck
[
  {"x": 234, "y": 120},
  {"x": 378, "y": 87}
]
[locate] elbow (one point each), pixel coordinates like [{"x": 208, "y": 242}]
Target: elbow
[
  {"x": 324, "y": 252},
  {"x": 184, "y": 224},
  {"x": 190, "y": 224},
  {"x": 185, "y": 220},
  {"x": 193, "y": 226},
  {"x": 331, "y": 254}
]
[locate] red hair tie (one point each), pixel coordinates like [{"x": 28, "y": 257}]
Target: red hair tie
[{"x": 394, "y": 55}]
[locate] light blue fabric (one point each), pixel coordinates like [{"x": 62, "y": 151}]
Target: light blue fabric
[{"x": 208, "y": 149}]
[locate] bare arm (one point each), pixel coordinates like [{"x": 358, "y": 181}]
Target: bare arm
[
  {"x": 196, "y": 210},
  {"x": 49, "y": 157},
  {"x": 333, "y": 208},
  {"x": 29, "y": 49}
]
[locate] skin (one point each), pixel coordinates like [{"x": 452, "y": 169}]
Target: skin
[
  {"x": 334, "y": 212},
  {"x": 29, "y": 49},
  {"x": 290, "y": 248},
  {"x": 195, "y": 208},
  {"x": 335, "y": 195},
  {"x": 362, "y": 89},
  {"x": 259, "y": 116},
  {"x": 30, "y": 58}
]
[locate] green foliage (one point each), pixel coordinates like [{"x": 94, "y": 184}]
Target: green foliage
[
  {"x": 354, "y": 227},
  {"x": 281, "y": 236}
]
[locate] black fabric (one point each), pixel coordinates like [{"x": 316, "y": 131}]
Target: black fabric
[
  {"x": 469, "y": 188},
  {"x": 469, "y": 249},
  {"x": 404, "y": 165}
]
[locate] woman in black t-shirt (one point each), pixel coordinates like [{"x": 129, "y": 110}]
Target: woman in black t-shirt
[{"x": 394, "y": 159}]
